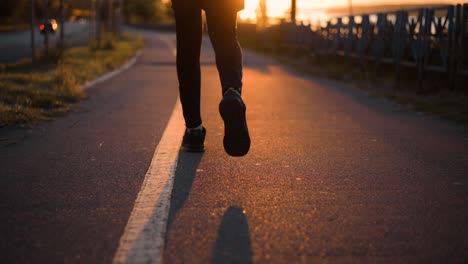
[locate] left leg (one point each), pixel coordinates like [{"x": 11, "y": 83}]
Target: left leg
[{"x": 189, "y": 36}]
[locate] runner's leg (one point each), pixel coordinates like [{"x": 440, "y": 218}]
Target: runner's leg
[
  {"x": 189, "y": 35},
  {"x": 222, "y": 29}
]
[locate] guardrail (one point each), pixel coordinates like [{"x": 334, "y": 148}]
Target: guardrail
[{"x": 428, "y": 39}]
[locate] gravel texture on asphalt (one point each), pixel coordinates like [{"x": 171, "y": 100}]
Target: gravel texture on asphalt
[{"x": 333, "y": 175}]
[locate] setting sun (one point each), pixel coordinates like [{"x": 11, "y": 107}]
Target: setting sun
[{"x": 276, "y": 8}]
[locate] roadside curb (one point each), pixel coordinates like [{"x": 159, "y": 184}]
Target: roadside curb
[{"x": 113, "y": 73}]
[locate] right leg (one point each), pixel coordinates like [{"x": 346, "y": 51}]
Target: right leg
[
  {"x": 189, "y": 36},
  {"x": 223, "y": 34},
  {"x": 222, "y": 29}
]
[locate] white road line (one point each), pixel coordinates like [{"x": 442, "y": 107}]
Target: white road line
[
  {"x": 143, "y": 238},
  {"x": 144, "y": 234},
  {"x": 168, "y": 43}
]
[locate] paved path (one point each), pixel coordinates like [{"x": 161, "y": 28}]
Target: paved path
[
  {"x": 333, "y": 175},
  {"x": 17, "y": 45}
]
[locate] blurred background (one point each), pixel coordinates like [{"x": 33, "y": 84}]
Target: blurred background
[
  {"x": 323, "y": 10},
  {"x": 83, "y": 20},
  {"x": 420, "y": 46}
]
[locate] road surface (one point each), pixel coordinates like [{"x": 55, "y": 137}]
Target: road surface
[
  {"x": 333, "y": 175},
  {"x": 17, "y": 45}
]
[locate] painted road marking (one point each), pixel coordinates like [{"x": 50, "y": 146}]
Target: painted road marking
[
  {"x": 168, "y": 43},
  {"x": 113, "y": 73},
  {"x": 144, "y": 234},
  {"x": 143, "y": 238}
]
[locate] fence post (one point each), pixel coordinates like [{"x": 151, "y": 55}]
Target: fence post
[
  {"x": 349, "y": 41},
  {"x": 379, "y": 47},
  {"x": 451, "y": 48},
  {"x": 420, "y": 46},
  {"x": 327, "y": 42},
  {"x": 337, "y": 40},
  {"x": 398, "y": 39},
  {"x": 365, "y": 23},
  {"x": 427, "y": 42},
  {"x": 463, "y": 39},
  {"x": 457, "y": 39},
  {"x": 316, "y": 39}
]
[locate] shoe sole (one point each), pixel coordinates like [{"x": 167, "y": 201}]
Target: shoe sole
[
  {"x": 193, "y": 150},
  {"x": 236, "y": 134}
]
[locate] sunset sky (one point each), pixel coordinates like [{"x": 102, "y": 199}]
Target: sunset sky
[
  {"x": 279, "y": 7},
  {"x": 315, "y": 9}
]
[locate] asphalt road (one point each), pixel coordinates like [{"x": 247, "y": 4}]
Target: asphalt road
[
  {"x": 333, "y": 175},
  {"x": 17, "y": 45}
]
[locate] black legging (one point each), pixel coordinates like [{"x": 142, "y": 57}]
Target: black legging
[{"x": 223, "y": 34}]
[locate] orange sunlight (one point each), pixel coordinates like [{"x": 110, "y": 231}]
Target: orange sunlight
[
  {"x": 276, "y": 8},
  {"x": 315, "y": 9}
]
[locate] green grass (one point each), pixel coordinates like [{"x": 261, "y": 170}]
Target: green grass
[
  {"x": 32, "y": 93},
  {"x": 448, "y": 106}
]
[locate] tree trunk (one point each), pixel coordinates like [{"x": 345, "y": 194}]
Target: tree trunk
[
  {"x": 293, "y": 10},
  {"x": 33, "y": 43},
  {"x": 62, "y": 25}
]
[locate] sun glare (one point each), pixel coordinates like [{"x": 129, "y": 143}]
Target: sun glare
[
  {"x": 249, "y": 11},
  {"x": 247, "y": 14},
  {"x": 316, "y": 10},
  {"x": 276, "y": 8}
]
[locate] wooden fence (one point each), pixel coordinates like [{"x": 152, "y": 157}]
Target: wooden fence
[{"x": 428, "y": 39}]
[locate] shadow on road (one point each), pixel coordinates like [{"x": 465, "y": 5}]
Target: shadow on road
[
  {"x": 187, "y": 166},
  {"x": 233, "y": 243},
  {"x": 233, "y": 240}
]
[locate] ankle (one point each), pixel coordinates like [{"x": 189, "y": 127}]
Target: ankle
[
  {"x": 237, "y": 90},
  {"x": 200, "y": 127}
]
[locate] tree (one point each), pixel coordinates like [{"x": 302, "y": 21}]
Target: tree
[
  {"x": 262, "y": 13},
  {"x": 13, "y": 10},
  {"x": 293, "y": 10},
  {"x": 143, "y": 11}
]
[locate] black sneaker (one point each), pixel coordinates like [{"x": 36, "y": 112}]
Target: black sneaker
[
  {"x": 236, "y": 135},
  {"x": 194, "y": 140}
]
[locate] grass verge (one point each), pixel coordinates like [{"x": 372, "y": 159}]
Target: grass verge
[
  {"x": 31, "y": 93},
  {"x": 434, "y": 99}
]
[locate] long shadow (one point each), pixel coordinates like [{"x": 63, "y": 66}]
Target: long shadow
[
  {"x": 233, "y": 243},
  {"x": 186, "y": 170}
]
